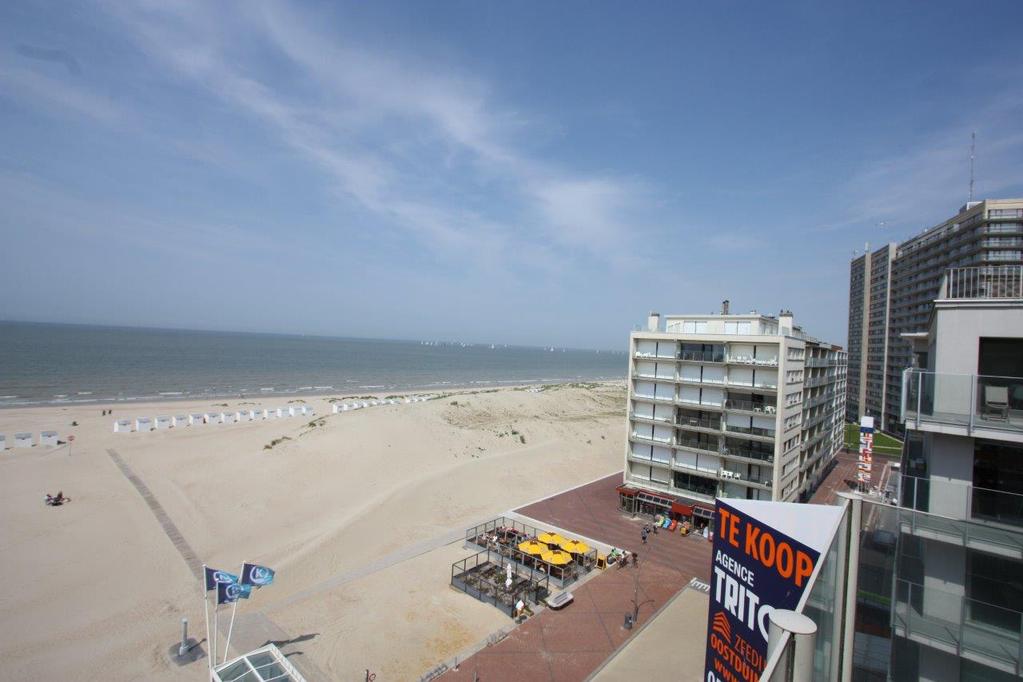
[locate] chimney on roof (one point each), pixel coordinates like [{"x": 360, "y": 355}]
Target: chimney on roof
[
  {"x": 653, "y": 322},
  {"x": 785, "y": 321},
  {"x": 724, "y": 307}
]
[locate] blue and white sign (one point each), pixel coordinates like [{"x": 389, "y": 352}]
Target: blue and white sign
[
  {"x": 215, "y": 577},
  {"x": 228, "y": 593},
  {"x": 764, "y": 556}
]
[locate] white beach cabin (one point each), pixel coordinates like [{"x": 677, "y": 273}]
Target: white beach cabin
[
  {"x": 211, "y": 417},
  {"x": 196, "y": 419},
  {"x": 162, "y": 422},
  {"x": 143, "y": 424},
  {"x": 48, "y": 439},
  {"x": 23, "y": 440},
  {"x": 3, "y": 442},
  {"x": 280, "y": 412},
  {"x": 122, "y": 426},
  {"x": 292, "y": 410},
  {"x": 180, "y": 420}
]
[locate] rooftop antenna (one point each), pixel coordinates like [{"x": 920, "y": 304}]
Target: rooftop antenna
[{"x": 973, "y": 145}]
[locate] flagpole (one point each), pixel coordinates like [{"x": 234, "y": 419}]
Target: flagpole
[
  {"x": 216, "y": 627},
  {"x": 206, "y": 610},
  {"x": 234, "y": 610}
]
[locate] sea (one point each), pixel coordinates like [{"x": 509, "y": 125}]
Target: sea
[{"x": 57, "y": 363}]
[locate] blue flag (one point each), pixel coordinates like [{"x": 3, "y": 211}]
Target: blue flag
[
  {"x": 228, "y": 593},
  {"x": 215, "y": 577},
  {"x": 257, "y": 576}
]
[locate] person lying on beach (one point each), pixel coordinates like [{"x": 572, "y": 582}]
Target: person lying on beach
[{"x": 56, "y": 501}]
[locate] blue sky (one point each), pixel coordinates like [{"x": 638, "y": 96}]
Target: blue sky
[{"x": 540, "y": 173}]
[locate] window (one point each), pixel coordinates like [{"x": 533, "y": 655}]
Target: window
[
  {"x": 738, "y": 327},
  {"x": 694, "y": 327}
]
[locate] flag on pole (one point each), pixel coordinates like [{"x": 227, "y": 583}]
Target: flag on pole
[
  {"x": 215, "y": 577},
  {"x": 228, "y": 593},
  {"x": 257, "y": 576}
]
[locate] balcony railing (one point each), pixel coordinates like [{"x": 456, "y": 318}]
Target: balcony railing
[
  {"x": 1001, "y": 281},
  {"x": 750, "y": 406},
  {"x": 698, "y": 422},
  {"x": 933, "y": 616},
  {"x": 695, "y": 444},
  {"x": 961, "y": 500},
  {"x": 751, "y": 430},
  {"x": 702, "y": 356},
  {"x": 971, "y": 401},
  {"x": 750, "y": 360},
  {"x": 748, "y": 453}
]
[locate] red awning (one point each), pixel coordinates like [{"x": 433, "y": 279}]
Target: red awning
[
  {"x": 659, "y": 496},
  {"x": 683, "y": 509},
  {"x": 628, "y": 492}
]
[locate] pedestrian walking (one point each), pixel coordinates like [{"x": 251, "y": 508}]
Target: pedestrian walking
[{"x": 643, "y": 535}]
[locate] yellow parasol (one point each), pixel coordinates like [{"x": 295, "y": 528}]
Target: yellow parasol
[
  {"x": 556, "y": 557},
  {"x": 575, "y": 547},
  {"x": 551, "y": 538},
  {"x": 532, "y": 547}
]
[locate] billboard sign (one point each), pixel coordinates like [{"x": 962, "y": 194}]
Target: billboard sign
[
  {"x": 866, "y": 456},
  {"x": 763, "y": 558}
]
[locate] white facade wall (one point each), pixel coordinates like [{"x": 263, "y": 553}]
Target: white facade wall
[
  {"x": 123, "y": 426},
  {"x": 143, "y": 424},
  {"x": 23, "y": 440},
  {"x": 196, "y": 419},
  {"x": 162, "y": 422},
  {"x": 48, "y": 439},
  {"x": 180, "y": 420}
]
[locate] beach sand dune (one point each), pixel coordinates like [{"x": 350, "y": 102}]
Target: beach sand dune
[{"x": 356, "y": 511}]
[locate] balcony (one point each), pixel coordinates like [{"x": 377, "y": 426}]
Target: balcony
[
  {"x": 640, "y": 438},
  {"x": 702, "y": 356},
  {"x": 699, "y": 423},
  {"x": 963, "y": 404},
  {"x": 756, "y": 480},
  {"x": 748, "y": 453},
  {"x": 740, "y": 405},
  {"x": 752, "y": 361},
  {"x": 962, "y": 500},
  {"x": 650, "y": 418},
  {"x": 968, "y": 628},
  {"x": 697, "y": 445},
  {"x": 767, "y": 434},
  {"x": 1003, "y": 281}
]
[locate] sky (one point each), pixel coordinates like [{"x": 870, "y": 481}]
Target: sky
[{"x": 534, "y": 173}]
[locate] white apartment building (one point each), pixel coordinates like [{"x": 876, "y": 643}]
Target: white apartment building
[{"x": 732, "y": 406}]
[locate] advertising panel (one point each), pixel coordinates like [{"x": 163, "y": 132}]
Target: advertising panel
[
  {"x": 866, "y": 456},
  {"x": 763, "y": 558}
]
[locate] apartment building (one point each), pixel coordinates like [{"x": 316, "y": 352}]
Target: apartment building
[
  {"x": 733, "y": 406},
  {"x": 892, "y": 289},
  {"x": 958, "y": 585}
]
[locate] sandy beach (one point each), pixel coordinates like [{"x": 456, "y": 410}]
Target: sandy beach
[{"x": 356, "y": 511}]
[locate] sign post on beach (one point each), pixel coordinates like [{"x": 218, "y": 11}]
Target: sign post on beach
[{"x": 70, "y": 440}]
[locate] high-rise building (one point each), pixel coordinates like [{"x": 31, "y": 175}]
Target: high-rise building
[
  {"x": 892, "y": 289},
  {"x": 745, "y": 406}
]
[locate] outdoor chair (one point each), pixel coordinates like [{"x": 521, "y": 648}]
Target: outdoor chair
[{"x": 996, "y": 402}]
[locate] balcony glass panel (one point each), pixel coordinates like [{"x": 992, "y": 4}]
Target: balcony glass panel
[{"x": 971, "y": 401}]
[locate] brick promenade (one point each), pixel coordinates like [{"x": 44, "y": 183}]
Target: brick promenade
[{"x": 570, "y": 644}]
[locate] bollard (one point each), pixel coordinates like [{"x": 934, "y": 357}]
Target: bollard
[{"x": 183, "y": 648}]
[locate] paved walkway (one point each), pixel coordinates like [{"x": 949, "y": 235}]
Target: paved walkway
[
  {"x": 570, "y": 644},
  {"x": 841, "y": 479},
  {"x": 173, "y": 534}
]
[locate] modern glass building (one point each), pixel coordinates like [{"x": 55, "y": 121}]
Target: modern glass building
[{"x": 932, "y": 588}]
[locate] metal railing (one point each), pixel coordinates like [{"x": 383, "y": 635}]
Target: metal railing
[
  {"x": 961, "y": 500},
  {"x": 750, "y": 360},
  {"x": 750, "y": 406},
  {"x": 702, "y": 356},
  {"x": 968, "y": 400},
  {"x": 751, "y": 430},
  {"x": 696, "y": 444},
  {"x": 700, "y": 422},
  {"x": 998, "y": 281},
  {"x": 933, "y": 616}
]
